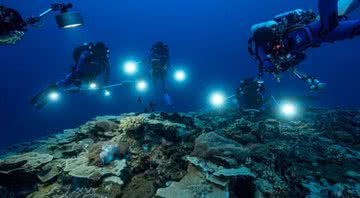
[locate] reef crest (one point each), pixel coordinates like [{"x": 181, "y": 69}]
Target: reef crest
[{"x": 191, "y": 155}]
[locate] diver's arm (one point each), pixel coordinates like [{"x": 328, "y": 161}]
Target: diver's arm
[
  {"x": 266, "y": 63},
  {"x": 83, "y": 58},
  {"x": 69, "y": 79},
  {"x": 328, "y": 11}
]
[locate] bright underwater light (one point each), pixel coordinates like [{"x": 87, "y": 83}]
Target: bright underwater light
[
  {"x": 54, "y": 96},
  {"x": 180, "y": 75},
  {"x": 92, "y": 86},
  {"x": 69, "y": 20},
  {"x": 288, "y": 109},
  {"x": 130, "y": 67},
  {"x": 107, "y": 93},
  {"x": 217, "y": 99},
  {"x": 141, "y": 85}
]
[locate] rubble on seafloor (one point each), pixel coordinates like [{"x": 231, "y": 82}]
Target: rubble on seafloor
[{"x": 191, "y": 155}]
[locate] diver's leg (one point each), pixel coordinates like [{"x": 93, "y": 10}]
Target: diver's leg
[
  {"x": 166, "y": 95},
  {"x": 40, "y": 100},
  {"x": 68, "y": 81},
  {"x": 345, "y": 30},
  {"x": 329, "y": 20},
  {"x": 163, "y": 84}
]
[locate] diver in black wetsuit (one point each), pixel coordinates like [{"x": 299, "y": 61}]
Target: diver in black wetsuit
[
  {"x": 160, "y": 62},
  {"x": 91, "y": 61},
  {"x": 13, "y": 26},
  {"x": 250, "y": 94},
  {"x": 279, "y": 45}
]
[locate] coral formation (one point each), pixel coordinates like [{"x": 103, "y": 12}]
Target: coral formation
[{"x": 199, "y": 154}]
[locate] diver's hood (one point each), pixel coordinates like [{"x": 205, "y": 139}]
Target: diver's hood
[
  {"x": 263, "y": 35},
  {"x": 263, "y": 32},
  {"x": 159, "y": 45}
]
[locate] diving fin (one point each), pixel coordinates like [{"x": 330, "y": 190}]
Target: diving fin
[{"x": 40, "y": 100}]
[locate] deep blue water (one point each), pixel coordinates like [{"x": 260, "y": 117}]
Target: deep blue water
[{"x": 206, "y": 37}]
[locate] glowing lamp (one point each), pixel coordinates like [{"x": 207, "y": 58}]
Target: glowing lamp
[
  {"x": 68, "y": 20},
  {"x": 180, "y": 75},
  {"x": 92, "y": 86},
  {"x": 107, "y": 93},
  {"x": 130, "y": 67},
  {"x": 54, "y": 96},
  {"x": 217, "y": 99},
  {"x": 288, "y": 109},
  {"x": 141, "y": 85}
]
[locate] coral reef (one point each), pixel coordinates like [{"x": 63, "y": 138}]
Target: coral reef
[{"x": 192, "y": 155}]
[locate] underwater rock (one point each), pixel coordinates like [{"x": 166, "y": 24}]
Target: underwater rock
[
  {"x": 133, "y": 125},
  {"x": 105, "y": 125},
  {"x": 25, "y": 163},
  {"x": 212, "y": 145},
  {"x": 136, "y": 126},
  {"x": 178, "y": 118},
  {"x": 166, "y": 129},
  {"x": 139, "y": 187},
  {"x": 192, "y": 185},
  {"x": 78, "y": 168},
  {"x": 50, "y": 171},
  {"x": 217, "y": 174},
  {"x": 18, "y": 172},
  {"x": 243, "y": 171},
  {"x": 324, "y": 189}
]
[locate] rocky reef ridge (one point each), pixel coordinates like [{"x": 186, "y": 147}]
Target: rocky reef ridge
[{"x": 191, "y": 155}]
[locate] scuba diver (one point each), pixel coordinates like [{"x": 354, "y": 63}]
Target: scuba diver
[
  {"x": 160, "y": 62},
  {"x": 250, "y": 94},
  {"x": 13, "y": 26},
  {"x": 91, "y": 61},
  {"x": 279, "y": 45}
]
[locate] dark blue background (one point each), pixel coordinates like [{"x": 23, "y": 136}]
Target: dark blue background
[{"x": 207, "y": 37}]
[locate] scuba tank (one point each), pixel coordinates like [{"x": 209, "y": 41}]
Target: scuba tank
[
  {"x": 92, "y": 49},
  {"x": 250, "y": 94},
  {"x": 278, "y": 27},
  {"x": 272, "y": 34},
  {"x": 81, "y": 49}
]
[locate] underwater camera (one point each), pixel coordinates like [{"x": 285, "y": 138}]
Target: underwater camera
[{"x": 65, "y": 19}]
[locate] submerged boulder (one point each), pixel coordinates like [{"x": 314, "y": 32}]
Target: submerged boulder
[
  {"x": 27, "y": 162},
  {"x": 51, "y": 171},
  {"x": 192, "y": 185},
  {"x": 78, "y": 168},
  {"x": 139, "y": 187},
  {"x": 18, "y": 172},
  {"x": 214, "y": 146}
]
